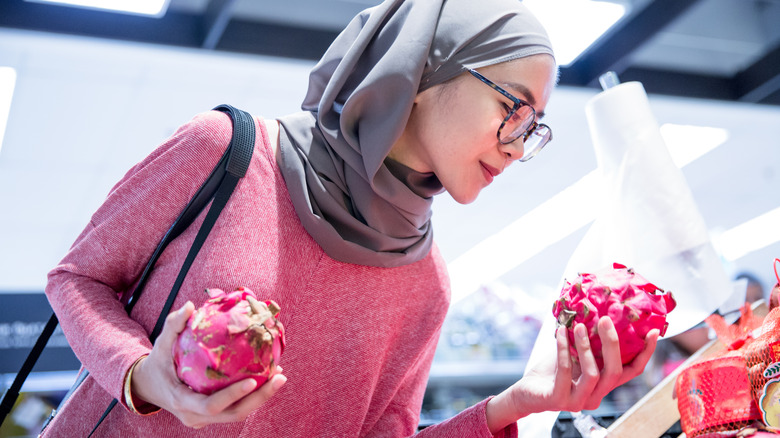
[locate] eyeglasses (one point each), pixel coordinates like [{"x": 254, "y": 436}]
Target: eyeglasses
[{"x": 520, "y": 122}]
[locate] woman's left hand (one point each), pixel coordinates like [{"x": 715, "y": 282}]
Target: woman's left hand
[{"x": 559, "y": 384}]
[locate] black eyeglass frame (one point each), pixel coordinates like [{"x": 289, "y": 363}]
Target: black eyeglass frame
[{"x": 517, "y": 104}]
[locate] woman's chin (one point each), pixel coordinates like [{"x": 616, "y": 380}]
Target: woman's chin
[{"x": 464, "y": 198}]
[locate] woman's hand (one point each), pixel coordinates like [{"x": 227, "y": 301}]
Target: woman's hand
[
  {"x": 560, "y": 385},
  {"x": 155, "y": 381}
]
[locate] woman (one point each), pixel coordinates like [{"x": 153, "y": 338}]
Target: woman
[{"x": 332, "y": 222}]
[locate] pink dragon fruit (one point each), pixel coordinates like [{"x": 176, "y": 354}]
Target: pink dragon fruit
[
  {"x": 231, "y": 337},
  {"x": 635, "y": 306}
]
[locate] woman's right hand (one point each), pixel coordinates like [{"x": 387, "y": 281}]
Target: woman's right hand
[{"x": 155, "y": 381}]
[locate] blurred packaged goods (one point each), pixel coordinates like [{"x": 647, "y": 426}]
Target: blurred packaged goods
[
  {"x": 483, "y": 349},
  {"x": 497, "y": 322}
]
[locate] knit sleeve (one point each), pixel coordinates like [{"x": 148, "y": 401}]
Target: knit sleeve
[
  {"x": 109, "y": 255},
  {"x": 471, "y": 422}
]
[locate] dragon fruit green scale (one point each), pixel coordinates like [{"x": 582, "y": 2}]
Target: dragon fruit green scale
[
  {"x": 233, "y": 336},
  {"x": 634, "y": 305}
]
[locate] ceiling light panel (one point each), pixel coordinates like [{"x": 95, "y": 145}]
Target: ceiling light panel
[
  {"x": 154, "y": 8},
  {"x": 753, "y": 235},
  {"x": 582, "y": 24},
  {"x": 7, "y": 84}
]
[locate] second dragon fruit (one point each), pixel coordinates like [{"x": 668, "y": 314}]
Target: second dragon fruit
[{"x": 634, "y": 305}]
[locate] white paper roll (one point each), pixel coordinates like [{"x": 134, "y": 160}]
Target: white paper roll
[{"x": 648, "y": 218}]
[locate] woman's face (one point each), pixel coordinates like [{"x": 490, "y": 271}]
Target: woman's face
[{"x": 452, "y": 127}]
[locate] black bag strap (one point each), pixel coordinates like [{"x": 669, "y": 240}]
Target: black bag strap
[
  {"x": 241, "y": 146},
  {"x": 12, "y": 394},
  {"x": 234, "y": 164},
  {"x": 218, "y": 186},
  {"x": 238, "y": 157}
]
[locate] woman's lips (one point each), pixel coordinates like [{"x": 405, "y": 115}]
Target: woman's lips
[{"x": 489, "y": 171}]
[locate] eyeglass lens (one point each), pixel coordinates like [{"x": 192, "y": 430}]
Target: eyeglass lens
[
  {"x": 518, "y": 125},
  {"x": 535, "y": 141}
]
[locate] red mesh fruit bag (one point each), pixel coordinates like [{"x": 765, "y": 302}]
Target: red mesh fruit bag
[
  {"x": 762, "y": 358},
  {"x": 714, "y": 395}
]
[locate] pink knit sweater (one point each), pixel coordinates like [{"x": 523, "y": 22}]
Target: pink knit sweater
[{"x": 360, "y": 340}]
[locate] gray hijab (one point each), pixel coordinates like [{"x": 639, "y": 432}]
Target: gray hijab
[{"x": 358, "y": 205}]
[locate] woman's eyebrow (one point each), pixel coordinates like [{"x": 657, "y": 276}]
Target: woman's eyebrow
[{"x": 526, "y": 94}]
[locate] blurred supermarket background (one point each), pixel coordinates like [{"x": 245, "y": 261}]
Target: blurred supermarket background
[{"x": 76, "y": 85}]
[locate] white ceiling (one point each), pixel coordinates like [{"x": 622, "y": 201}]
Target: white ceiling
[{"x": 715, "y": 49}]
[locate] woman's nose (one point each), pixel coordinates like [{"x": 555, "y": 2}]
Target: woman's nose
[{"x": 513, "y": 151}]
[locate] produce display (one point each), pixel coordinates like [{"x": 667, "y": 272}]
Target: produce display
[
  {"x": 634, "y": 305},
  {"x": 233, "y": 336},
  {"x": 735, "y": 390}
]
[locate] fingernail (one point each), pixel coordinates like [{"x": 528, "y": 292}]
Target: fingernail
[
  {"x": 278, "y": 381},
  {"x": 582, "y": 333},
  {"x": 249, "y": 385}
]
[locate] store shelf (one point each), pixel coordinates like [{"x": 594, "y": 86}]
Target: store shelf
[
  {"x": 51, "y": 381},
  {"x": 476, "y": 374}
]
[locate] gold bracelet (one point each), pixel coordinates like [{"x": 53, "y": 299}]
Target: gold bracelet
[{"x": 149, "y": 409}]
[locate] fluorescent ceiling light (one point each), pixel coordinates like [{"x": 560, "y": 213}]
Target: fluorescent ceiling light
[
  {"x": 691, "y": 142},
  {"x": 750, "y": 236},
  {"x": 7, "y": 84},
  {"x": 573, "y": 25},
  {"x": 505, "y": 250},
  {"x": 155, "y": 8}
]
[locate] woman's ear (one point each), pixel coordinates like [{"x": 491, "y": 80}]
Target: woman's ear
[
  {"x": 419, "y": 96},
  {"x": 425, "y": 94}
]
